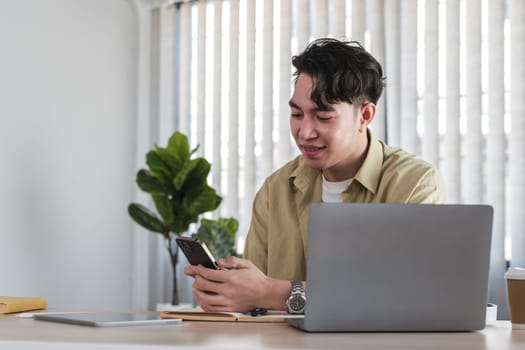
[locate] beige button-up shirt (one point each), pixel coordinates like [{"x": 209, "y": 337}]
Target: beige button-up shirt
[{"x": 278, "y": 235}]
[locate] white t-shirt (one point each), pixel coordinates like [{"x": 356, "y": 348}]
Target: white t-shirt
[{"x": 332, "y": 190}]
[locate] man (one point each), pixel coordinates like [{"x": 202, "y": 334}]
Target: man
[{"x": 334, "y": 100}]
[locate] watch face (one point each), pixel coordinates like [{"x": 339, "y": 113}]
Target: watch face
[{"x": 297, "y": 303}]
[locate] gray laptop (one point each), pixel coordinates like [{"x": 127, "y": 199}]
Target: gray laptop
[{"x": 397, "y": 267}]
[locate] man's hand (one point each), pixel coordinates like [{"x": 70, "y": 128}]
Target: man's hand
[{"x": 238, "y": 287}]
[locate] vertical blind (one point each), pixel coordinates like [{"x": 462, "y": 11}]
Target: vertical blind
[{"x": 455, "y": 93}]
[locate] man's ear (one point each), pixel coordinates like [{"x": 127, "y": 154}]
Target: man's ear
[{"x": 366, "y": 115}]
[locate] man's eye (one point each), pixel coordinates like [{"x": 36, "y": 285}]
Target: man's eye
[
  {"x": 324, "y": 118},
  {"x": 296, "y": 115}
]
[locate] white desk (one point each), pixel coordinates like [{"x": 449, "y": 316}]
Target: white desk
[{"x": 16, "y": 333}]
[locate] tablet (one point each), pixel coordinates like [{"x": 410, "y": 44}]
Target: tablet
[{"x": 106, "y": 319}]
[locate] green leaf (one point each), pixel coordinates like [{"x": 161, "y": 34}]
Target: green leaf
[
  {"x": 180, "y": 178},
  {"x": 191, "y": 176},
  {"x": 205, "y": 201},
  {"x": 194, "y": 150},
  {"x": 179, "y": 148},
  {"x": 182, "y": 223},
  {"x": 231, "y": 224},
  {"x": 197, "y": 177},
  {"x": 218, "y": 237},
  {"x": 172, "y": 162},
  {"x": 218, "y": 200},
  {"x": 164, "y": 207},
  {"x": 158, "y": 167},
  {"x": 146, "y": 218},
  {"x": 147, "y": 182}
]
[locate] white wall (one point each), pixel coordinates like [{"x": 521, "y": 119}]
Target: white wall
[{"x": 68, "y": 87}]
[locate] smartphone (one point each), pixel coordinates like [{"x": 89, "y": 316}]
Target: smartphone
[{"x": 197, "y": 252}]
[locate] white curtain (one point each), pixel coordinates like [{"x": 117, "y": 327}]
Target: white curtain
[{"x": 455, "y": 93}]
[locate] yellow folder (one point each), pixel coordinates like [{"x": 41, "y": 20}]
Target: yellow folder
[{"x": 18, "y": 304}]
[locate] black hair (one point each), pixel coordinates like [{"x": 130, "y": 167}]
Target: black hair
[{"x": 342, "y": 72}]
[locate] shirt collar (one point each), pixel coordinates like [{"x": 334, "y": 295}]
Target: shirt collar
[
  {"x": 368, "y": 175},
  {"x": 303, "y": 176}
]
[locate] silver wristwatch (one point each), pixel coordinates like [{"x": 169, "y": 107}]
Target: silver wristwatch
[{"x": 297, "y": 299}]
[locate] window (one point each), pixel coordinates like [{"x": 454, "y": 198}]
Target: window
[{"x": 455, "y": 92}]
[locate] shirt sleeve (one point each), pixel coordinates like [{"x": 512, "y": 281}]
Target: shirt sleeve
[{"x": 256, "y": 245}]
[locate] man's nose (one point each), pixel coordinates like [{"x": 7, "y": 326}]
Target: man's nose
[{"x": 308, "y": 128}]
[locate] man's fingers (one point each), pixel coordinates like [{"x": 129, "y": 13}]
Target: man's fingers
[
  {"x": 211, "y": 274},
  {"x": 210, "y": 302},
  {"x": 233, "y": 262},
  {"x": 190, "y": 270},
  {"x": 203, "y": 284}
]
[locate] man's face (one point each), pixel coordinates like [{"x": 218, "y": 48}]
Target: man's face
[{"x": 332, "y": 139}]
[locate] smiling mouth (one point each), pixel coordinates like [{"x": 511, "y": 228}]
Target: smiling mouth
[{"x": 313, "y": 148}]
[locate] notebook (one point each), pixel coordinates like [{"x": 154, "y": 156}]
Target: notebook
[{"x": 397, "y": 267}]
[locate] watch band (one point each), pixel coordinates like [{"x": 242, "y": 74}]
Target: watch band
[
  {"x": 297, "y": 287},
  {"x": 297, "y": 299}
]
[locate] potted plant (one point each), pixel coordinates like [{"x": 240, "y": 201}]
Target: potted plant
[{"x": 180, "y": 192}]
